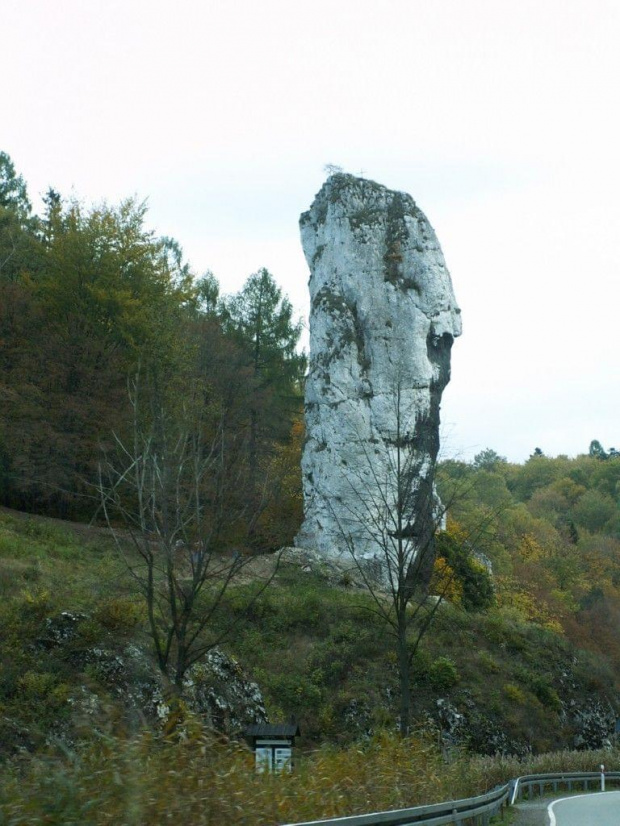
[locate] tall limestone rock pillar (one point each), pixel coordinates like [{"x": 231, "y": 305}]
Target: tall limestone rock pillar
[{"x": 382, "y": 321}]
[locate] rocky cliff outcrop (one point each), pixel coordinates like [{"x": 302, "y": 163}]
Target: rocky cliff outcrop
[
  {"x": 382, "y": 321},
  {"x": 114, "y": 684}
]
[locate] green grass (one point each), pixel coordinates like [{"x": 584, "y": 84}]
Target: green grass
[
  {"x": 317, "y": 651},
  {"x": 39, "y": 553}
]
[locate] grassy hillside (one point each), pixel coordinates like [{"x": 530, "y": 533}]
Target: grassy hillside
[
  {"x": 492, "y": 682},
  {"x": 536, "y": 672},
  {"x": 315, "y": 651}
]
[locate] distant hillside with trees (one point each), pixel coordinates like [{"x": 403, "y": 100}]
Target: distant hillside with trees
[{"x": 554, "y": 539}]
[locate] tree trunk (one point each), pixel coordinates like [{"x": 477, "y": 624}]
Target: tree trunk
[{"x": 405, "y": 684}]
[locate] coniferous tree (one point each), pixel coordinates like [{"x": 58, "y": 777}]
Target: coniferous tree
[
  {"x": 103, "y": 294},
  {"x": 13, "y": 191},
  {"x": 89, "y": 293},
  {"x": 260, "y": 320}
]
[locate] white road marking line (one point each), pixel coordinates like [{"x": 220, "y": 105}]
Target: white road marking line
[{"x": 552, "y": 820}]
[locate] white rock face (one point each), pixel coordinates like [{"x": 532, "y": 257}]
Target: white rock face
[{"x": 382, "y": 321}]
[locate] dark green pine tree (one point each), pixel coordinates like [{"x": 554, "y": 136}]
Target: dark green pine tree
[
  {"x": 596, "y": 450},
  {"x": 260, "y": 320},
  {"x": 13, "y": 192},
  {"x": 19, "y": 246}
]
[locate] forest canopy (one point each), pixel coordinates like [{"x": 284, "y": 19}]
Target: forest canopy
[{"x": 89, "y": 298}]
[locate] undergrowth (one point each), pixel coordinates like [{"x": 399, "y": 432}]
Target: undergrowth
[{"x": 150, "y": 780}]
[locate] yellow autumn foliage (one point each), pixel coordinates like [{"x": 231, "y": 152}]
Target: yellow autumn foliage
[{"x": 444, "y": 583}]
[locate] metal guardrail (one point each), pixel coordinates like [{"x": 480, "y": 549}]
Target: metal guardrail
[
  {"x": 475, "y": 810},
  {"x": 532, "y": 783},
  {"x": 478, "y": 810}
]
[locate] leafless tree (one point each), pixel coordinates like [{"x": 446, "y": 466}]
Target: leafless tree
[
  {"x": 172, "y": 493},
  {"x": 389, "y": 523}
]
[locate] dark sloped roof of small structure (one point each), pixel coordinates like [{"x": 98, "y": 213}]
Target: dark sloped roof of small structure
[{"x": 272, "y": 730}]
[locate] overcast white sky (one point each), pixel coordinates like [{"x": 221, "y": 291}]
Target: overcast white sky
[{"x": 499, "y": 117}]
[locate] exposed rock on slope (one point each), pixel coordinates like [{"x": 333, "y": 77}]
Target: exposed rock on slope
[
  {"x": 116, "y": 682},
  {"x": 382, "y": 321}
]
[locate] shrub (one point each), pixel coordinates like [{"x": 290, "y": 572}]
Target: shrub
[
  {"x": 540, "y": 687},
  {"x": 513, "y": 693},
  {"x": 37, "y": 602},
  {"x": 420, "y": 666},
  {"x": 475, "y": 583},
  {"x": 293, "y": 693},
  {"x": 443, "y": 674},
  {"x": 35, "y": 684},
  {"x": 544, "y": 692},
  {"x": 118, "y": 615},
  {"x": 488, "y": 662}
]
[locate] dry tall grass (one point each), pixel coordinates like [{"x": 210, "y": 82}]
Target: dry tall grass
[{"x": 199, "y": 780}]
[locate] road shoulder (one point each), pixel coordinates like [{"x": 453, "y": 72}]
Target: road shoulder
[{"x": 531, "y": 813}]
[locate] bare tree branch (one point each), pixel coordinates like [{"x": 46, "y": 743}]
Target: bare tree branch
[
  {"x": 176, "y": 486},
  {"x": 394, "y": 510}
]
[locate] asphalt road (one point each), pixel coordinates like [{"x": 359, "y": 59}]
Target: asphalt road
[{"x": 594, "y": 809}]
